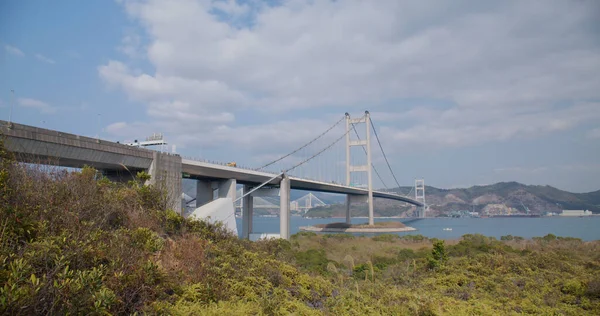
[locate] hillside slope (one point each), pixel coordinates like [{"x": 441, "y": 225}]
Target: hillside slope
[{"x": 74, "y": 243}]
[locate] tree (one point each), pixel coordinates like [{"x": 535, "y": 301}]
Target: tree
[{"x": 438, "y": 256}]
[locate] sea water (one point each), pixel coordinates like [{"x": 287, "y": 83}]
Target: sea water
[{"x": 586, "y": 228}]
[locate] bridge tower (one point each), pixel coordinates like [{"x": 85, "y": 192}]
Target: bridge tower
[
  {"x": 365, "y": 143},
  {"x": 420, "y": 196}
]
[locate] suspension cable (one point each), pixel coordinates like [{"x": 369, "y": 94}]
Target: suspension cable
[
  {"x": 315, "y": 155},
  {"x": 372, "y": 165},
  {"x": 411, "y": 190},
  {"x": 289, "y": 169},
  {"x": 310, "y": 142},
  {"x": 258, "y": 187},
  {"x": 383, "y": 152}
]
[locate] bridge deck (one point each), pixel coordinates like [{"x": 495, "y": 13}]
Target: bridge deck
[{"x": 205, "y": 170}]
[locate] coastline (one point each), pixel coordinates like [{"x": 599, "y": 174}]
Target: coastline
[{"x": 357, "y": 230}]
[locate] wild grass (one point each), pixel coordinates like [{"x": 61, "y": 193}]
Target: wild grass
[{"x": 72, "y": 242}]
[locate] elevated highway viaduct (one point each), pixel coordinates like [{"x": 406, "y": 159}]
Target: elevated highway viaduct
[{"x": 121, "y": 162}]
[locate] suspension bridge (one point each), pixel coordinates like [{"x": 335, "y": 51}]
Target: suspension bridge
[{"x": 338, "y": 160}]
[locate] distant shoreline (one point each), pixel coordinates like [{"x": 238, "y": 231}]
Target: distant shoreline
[{"x": 357, "y": 230}]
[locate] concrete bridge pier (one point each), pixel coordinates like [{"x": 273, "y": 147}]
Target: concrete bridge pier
[
  {"x": 205, "y": 190},
  {"x": 284, "y": 207},
  {"x": 247, "y": 213},
  {"x": 354, "y": 199},
  {"x": 420, "y": 211},
  {"x": 165, "y": 173},
  {"x": 348, "y": 202}
]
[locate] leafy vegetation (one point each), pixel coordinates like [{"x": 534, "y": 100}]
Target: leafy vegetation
[{"x": 75, "y": 243}]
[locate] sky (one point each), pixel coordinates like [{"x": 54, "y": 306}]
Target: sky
[{"x": 462, "y": 93}]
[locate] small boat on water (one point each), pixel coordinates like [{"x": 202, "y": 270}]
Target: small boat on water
[{"x": 447, "y": 228}]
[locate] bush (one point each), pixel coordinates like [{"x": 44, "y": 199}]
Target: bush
[
  {"x": 414, "y": 238},
  {"x": 312, "y": 260},
  {"x": 339, "y": 236},
  {"x": 593, "y": 288},
  {"x": 473, "y": 244},
  {"x": 439, "y": 256},
  {"x": 406, "y": 254},
  {"x": 303, "y": 234},
  {"x": 75, "y": 243},
  {"x": 386, "y": 237}
]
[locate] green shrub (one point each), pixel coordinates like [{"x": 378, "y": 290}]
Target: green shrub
[
  {"x": 573, "y": 287},
  {"x": 381, "y": 262},
  {"x": 386, "y": 237},
  {"x": 173, "y": 222},
  {"x": 75, "y": 243},
  {"x": 146, "y": 239},
  {"x": 301, "y": 234},
  {"x": 406, "y": 254},
  {"x": 439, "y": 256},
  {"x": 339, "y": 236},
  {"x": 593, "y": 288},
  {"x": 414, "y": 238},
  {"x": 312, "y": 260}
]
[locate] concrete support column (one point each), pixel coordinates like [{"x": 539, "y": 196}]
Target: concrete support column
[
  {"x": 227, "y": 188},
  {"x": 165, "y": 172},
  {"x": 204, "y": 192},
  {"x": 247, "y": 213},
  {"x": 348, "y": 201},
  {"x": 284, "y": 207}
]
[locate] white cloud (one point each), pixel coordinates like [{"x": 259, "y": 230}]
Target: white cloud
[
  {"x": 275, "y": 138},
  {"x": 13, "y": 50},
  {"x": 458, "y": 127},
  {"x": 502, "y": 70},
  {"x": 45, "y": 59},
  {"x": 36, "y": 104},
  {"x": 131, "y": 45}
]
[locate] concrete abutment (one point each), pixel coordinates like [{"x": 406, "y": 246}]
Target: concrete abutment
[{"x": 165, "y": 173}]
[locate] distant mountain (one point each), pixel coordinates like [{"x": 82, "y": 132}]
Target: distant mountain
[
  {"x": 499, "y": 198},
  {"x": 508, "y": 197}
]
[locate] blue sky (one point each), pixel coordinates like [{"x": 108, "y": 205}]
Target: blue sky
[{"x": 462, "y": 93}]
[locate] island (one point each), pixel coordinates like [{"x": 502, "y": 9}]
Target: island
[{"x": 380, "y": 227}]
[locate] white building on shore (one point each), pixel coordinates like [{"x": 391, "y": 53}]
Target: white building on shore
[{"x": 575, "y": 213}]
